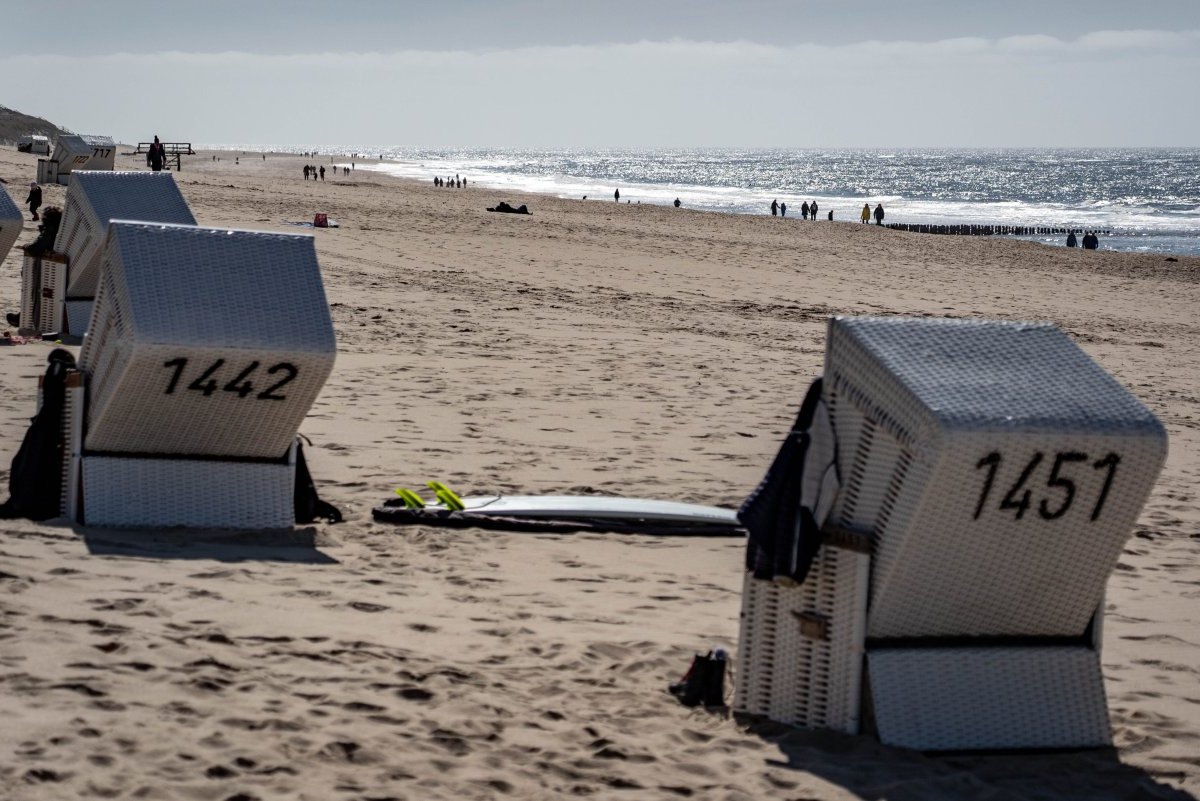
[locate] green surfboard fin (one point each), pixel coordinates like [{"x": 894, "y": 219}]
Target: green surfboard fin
[
  {"x": 447, "y": 496},
  {"x": 411, "y": 499}
]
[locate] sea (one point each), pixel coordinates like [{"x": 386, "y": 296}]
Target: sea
[{"x": 1142, "y": 200}]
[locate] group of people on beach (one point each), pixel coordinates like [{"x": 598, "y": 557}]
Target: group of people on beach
[
  {"x": 318, "y": 173},
  {"x": 807, "y": 209},
  {"x": 865, "y": 216},
  {"x": 457, "y": 182},
  {"x": 1090, "y": 241}
]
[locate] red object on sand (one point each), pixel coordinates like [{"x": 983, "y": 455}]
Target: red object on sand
[{"x": 320, "y": 221}]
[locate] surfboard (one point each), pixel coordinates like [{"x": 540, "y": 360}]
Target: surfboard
[
  {"x": 571, "y": 513},
  {"x": 598, "y": 507}
]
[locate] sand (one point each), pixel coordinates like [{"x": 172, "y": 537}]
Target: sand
[{"x": 591, "y": 347}]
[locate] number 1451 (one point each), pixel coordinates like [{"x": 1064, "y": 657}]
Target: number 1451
[{"x": 1059, "y": 492}]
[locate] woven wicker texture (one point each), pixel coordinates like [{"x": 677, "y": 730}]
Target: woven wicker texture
[
  {"x": 205, "y": 341},
  {"x": 94, "y": 198},
  {"x": 129, "y": 492},
  {"x": 11, "y": 222},
  {"x": 793, "y": 678},
  {"x": 43, "y": 284},
  {"x": 78, "y": 313},
  {"x": 989, "y": 698},
  {"x": 1000, "y": 468}
]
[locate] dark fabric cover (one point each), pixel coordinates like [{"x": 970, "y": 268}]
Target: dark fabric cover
[{"x": 783, "y": 535}]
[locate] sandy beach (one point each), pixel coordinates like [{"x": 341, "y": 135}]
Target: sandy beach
[{"x": 593, "y": 347}]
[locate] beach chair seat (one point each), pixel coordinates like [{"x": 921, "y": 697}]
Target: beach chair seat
[
  {"x": 991, "y": 473},
  {"x": 94, "y": 198},
  {"x": 43, "y": 285},
  {"x": 207, "y": 350},
  {"x": 11, "y": 223}
]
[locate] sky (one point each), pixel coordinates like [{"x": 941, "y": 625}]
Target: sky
[{"x": 611, "y": 74}]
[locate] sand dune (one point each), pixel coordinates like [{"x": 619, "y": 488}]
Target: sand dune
[{"x": 590, "y": 348}]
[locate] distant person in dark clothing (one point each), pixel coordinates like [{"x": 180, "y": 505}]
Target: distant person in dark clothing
[
  {"x": 156, "y": 156},
  {"x": 677, "y": 203},
  {"x": 774, "y": 208},
  {"x": 782, "y": 209},
  {"x": 47, "y": 232},
  {"x": 35, "y": 198},
  {"x": 804, "y": 210},
  {"x": 812, "y": 210},
  {"x": 1090, "y": 241},
  {"x": 879, "y": 214},
  {"x": 617, "y": 196},
  {"x": 322, "y": 173},
  {"x": 1071, "y": 241}
]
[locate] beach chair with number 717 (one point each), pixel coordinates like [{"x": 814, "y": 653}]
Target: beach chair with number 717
[
  {"x": 987, "y": 476},
  {"x": 207, "y": 348}
]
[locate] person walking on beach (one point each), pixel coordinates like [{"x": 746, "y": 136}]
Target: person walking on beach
[
  {"x": 156, "y": 156},
  {"x": 879, "y": 214},
  {"x": 1071, "y": 241},
  {"x": 812, "y": 210},
  {"x": 1090, "y": 241},
  {"x": 677, "y": 203},
  {"x": 774, "y": 208},
  {"x": 617, "y": 196},
  {"x": 782, "y": 209},
  {"x": 804, "y": 210},
  {"x": 865, "y": 217},
  {"x": 35, "y": 199},
  {"x": 322, "y": 172}
]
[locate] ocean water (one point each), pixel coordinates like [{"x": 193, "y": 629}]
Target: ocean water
[{"x": 1149, "y": 199}]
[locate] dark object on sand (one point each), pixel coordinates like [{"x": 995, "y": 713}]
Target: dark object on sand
[
  {"x": 35, "y": 479},
  {"x": 704, "y": 683},
  {"x": 504, "y": 207}
]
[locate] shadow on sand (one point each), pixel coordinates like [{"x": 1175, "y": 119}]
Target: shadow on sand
[
  {"x": 871, "y": 770},
  {"x": 299, "y": 545}
]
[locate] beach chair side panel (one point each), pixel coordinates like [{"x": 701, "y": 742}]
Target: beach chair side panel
[{"x": 800, "y": 647}]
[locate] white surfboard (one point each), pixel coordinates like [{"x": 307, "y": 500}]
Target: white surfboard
[{"x": 599, "y": 507}]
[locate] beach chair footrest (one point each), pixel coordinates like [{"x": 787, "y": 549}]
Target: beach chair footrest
[{"x": 965, "y": 699}]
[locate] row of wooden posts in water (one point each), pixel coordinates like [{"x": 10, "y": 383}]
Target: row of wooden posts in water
[{"x": 990, "y": 230}]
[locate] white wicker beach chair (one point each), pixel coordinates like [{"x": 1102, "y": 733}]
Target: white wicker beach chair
[
  {"x": 83, "y": 152},
  {"x": 95, "y": 198},
  {"x": 991, "y": 474},
  {"x": 208, "y": 348},
  {"x": 11, "y": 222},
  {"x": 205, "y": 341}
]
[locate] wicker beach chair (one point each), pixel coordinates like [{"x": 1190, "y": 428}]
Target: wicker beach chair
[
  {"x": 207, "y": 349},
  {"x": 11, "y": 222},
  {"x": 93, "y": 199},
  {"x": 991, "y": 474}
]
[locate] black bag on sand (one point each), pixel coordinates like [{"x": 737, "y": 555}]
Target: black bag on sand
[
  {"x": 35, "y": 478},
  {"x": 308, "y": 507},
  {"x": 704, "y": 683}
]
